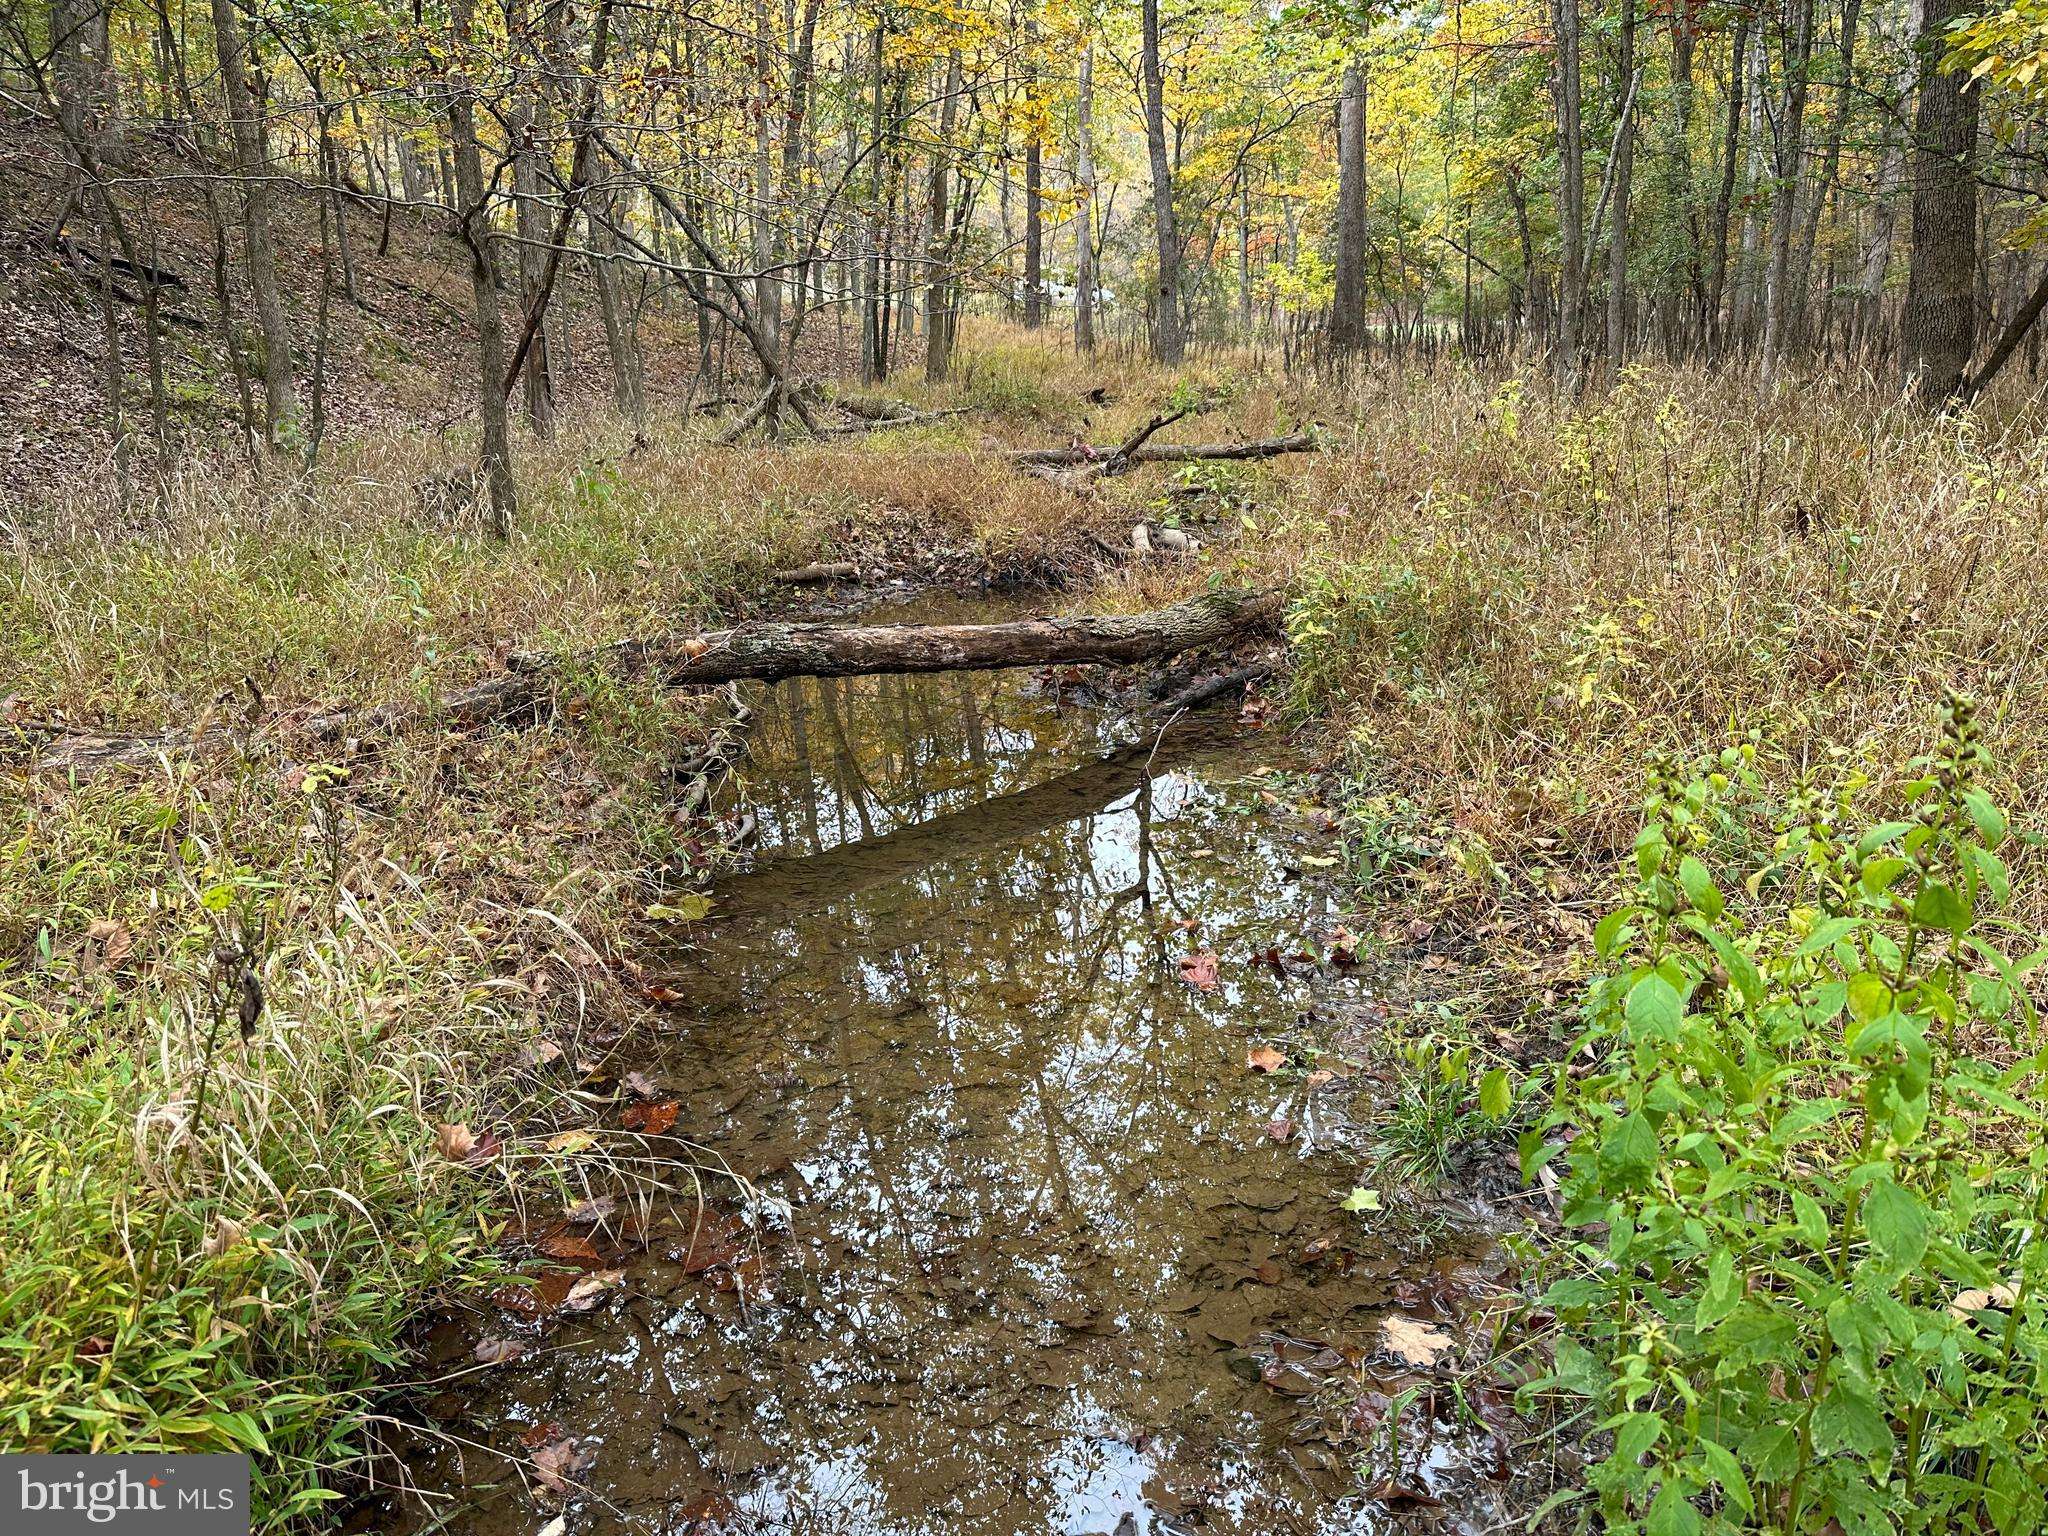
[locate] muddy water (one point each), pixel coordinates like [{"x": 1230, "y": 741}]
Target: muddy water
[{"x": 1030, "y": 1246}]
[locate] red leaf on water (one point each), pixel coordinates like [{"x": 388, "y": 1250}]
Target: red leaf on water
[
  {"x": 1199, "y": 970},
  {"x": 650, "y": 1119},
  {"x": 569, "y": 1246}
]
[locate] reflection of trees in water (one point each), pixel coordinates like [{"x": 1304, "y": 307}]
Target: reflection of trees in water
[
  {"x": 1028, "y": 1108},
  {"x": 859, "y": 756}
]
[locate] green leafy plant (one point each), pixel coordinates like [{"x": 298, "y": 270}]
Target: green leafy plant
[{"x": 1802, "y": 1162}]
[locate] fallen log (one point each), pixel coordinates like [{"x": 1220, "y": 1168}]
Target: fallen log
[
  {"x": 771, "y": 652},
  {"x": 767, "y": 652},
  {"x": 1089, "y": 455}
]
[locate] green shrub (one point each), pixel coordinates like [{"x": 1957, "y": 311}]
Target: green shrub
[{"x": 1802, "y": 1164}]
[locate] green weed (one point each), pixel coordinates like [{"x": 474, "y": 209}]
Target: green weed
[{"x": 1801, "y": 1150}]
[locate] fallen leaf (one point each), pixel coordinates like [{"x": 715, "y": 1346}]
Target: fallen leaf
[
  {"x": 1362, "y": 1199},
  {"x": 567, "y": 1245},
  {"x": 456, "y": 1142},
  {"x": 1411, "y": 1340},
  {"x": 640, "y": 1085},
  {"x": 711, "y": 1242},
  {"x": 1199, "y": 970},
  {"x": 114, "y": 939},
  {"x": 689, "y": 907},
  {"x": 1399, "y": 1495},
  {"x": 571, "y": 1141},
  {"x": 1265, "y": 1058},
  {"x": 1280, "y": 1130},
  {"x": 650, "y": 1119},
  {"x": 498, "y": 1350},
  {"x": 708, "y": 1510},
  {"x": 555, "y": 1527},
  {"x": 555, "y": 1464},
  {"x": 587, "y": 1213},
  {"x": 590, "y": 1289},
  {"x": 1978, "y": 1299}
]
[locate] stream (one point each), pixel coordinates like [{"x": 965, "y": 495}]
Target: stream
[{"x": 1010, "y": 1236}]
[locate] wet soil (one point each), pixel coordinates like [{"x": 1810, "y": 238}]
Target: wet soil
[{"x": 1001, "y": 1230}]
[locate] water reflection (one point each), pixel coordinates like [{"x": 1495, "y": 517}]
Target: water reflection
[{"x": 1039, "y": 1236}]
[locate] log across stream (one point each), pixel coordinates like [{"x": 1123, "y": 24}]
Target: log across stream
[{"x": 1030, "y": 1245}]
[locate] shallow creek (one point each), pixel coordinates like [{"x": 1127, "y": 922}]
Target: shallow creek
[{"x": 1031, "y": 1247}]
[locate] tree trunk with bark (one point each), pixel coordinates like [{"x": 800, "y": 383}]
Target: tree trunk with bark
[
  {"x": 1168, "y": 344},
  {"x": 1940, "y": 327},
  {"x": 1084, "y": 175},
  {"x": 474, "y": 214},
  {"x": 1347, "y": 305},
  {"x": 1624, "y": 167},
  {"x": 252, "y": 168}
]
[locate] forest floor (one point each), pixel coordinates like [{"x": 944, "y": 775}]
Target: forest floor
[{"x": 289, "y": 1038}]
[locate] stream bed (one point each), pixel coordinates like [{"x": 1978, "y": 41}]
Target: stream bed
[{"x": 1003, "y": 1230}]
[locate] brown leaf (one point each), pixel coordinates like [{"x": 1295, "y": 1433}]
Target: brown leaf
[
  {"x": 589, "y": 1290},
  {"x": 713, "y": 1241},
  {"x": 568, "y": 1246},
  {"x": 1399, "y": 1495},
  {"x": 114, "y": 939},
  {"x": 650, "y": 1119},
  {"x": 498, "y": 1350},
  {"x": 456, "y": 1142},
  {"x": 1265, "y": 1058},
  {"x": 708, "y": 1511},
  {"x": 588, "y": 1213},
  {"x": 1409, "y": 1339},
  {"x": 640, "y": 1085},
  {"x": 1280, "y": 1130},
  {"x": 1199, "y": 970},
  {"x": 554, "y": 1464}
]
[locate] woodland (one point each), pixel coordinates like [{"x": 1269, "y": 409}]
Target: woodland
[{"x": 1028, "y": 765}]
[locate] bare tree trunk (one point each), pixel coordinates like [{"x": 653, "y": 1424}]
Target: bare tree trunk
[
  {"x": 474, "y": 215},
  {"x": 1571, "y": 192},
  {"x": 252, "y": 167},
  {"x": 1724, "y": 197},
  {"x": 939, "y": 243},
  {"x": 1168, "y": 345},
  {"x": 1825, "y": 186},
  {"x": 1785, "y": 192},
  {"x": 1034, "y": 184},
  {"x": 528, "y": 128},
  {"x": 1084, "y": 173},
  {"x": 760, "y": 220},
  {"x": 1624, "y": 165},
  {"x": 1347, "y": 305},
  {"x": 1941, "y": 293},
  {"x": 621, "y": 330}
]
